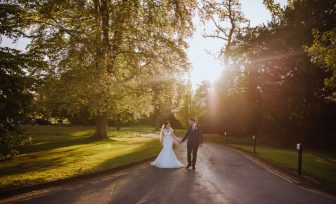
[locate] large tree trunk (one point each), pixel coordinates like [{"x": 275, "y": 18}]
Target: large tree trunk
[
  {"x": 101, "y": 126},
  {"x": 101, "y": 7},
  {"x": 156, "y": 120},
  {"x": 157, "y": 124}
]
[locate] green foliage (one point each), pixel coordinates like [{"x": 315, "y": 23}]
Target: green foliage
[
  {"x": 274, "y": 8},
  {"x": 12, "y": 21},
  {"x": 271, "y": 87},
  {"x": 103, "y": 54},
  {"x": 192, "y": 105},
  {"x": 167, "y": 92},
  {"x": 184, "y": 109},
  {"x": 17, "y": 81},
  {"x": 15, "y": 98},
  {"x": 323, "y": 52}
]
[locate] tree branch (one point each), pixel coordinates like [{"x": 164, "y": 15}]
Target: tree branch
[{"x": 214, "y": 36}]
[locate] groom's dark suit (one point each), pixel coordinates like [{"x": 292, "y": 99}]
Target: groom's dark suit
[{"x": 195, "y": 138}]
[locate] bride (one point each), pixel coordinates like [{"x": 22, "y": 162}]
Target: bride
[{"x": 167, "y": 158}]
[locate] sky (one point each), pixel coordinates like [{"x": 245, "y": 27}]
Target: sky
[
  {"x": 205, "y": 66},
  {"x": 202, "y": 51}
]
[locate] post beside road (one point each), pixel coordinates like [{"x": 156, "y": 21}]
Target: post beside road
[
  {"x": 299, "y": 149},
  {"x": 254, "y": 138},
  {"x": 225, "y": 140}
]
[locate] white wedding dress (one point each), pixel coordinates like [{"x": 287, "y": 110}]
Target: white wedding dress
[{"x": 167, "y": 158}]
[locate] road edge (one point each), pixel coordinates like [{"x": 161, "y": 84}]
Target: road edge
[{"x": 286, "y": 175}]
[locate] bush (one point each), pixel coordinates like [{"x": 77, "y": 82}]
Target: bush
[
  {"x": 10, "y": 140},
  {"x": 42, "y": 122}
]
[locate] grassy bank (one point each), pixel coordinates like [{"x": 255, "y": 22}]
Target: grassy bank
[
  {"x": 62, "y": 152},
  {"x": 320, "y": 165}
]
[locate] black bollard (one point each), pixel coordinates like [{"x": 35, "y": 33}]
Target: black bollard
[
  {"x": 299, "y": 149},
  {"x": 254, "y": 143}
]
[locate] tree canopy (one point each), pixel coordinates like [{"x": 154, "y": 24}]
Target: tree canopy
[
  {"x": 323, "y": 52},
  {"x": 271, "y": 87},
  {"x": 101, "y": 53},
  {"x": 18, "y": 80}
]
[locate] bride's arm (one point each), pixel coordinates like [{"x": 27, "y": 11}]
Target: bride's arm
[{"x": 161, "y": 137}]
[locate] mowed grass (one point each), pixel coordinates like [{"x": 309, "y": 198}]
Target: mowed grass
[
  {"x": 320, "y": 165},
  {"x": 63, "y": 152},
  {"x": 151, "y": 129},
  {"x": 141, "y": 128}
]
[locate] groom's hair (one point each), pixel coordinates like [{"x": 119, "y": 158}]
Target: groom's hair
[{"x": 193, "y": 120}]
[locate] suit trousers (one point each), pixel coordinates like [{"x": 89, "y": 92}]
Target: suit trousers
[{"x": 192, "y": 150}]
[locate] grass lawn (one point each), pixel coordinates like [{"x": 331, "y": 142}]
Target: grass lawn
[
  {"x": 141, "y": 128},
  {"x": 61, "y": 152},
  {"x": 144, "y": 128},
  {"x": 316, "y": 164}
]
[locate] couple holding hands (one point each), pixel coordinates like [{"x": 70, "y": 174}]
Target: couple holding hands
[{"x": 167, "y": 158}]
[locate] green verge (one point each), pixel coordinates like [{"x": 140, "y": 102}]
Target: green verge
[
  {"x": 319, "y": 165},
  {"x": 62, "y": 152}
]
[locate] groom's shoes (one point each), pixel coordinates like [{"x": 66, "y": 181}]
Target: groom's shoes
[
  {"x": 193, "y": 167},
  {"x": 187, "y": 167}
]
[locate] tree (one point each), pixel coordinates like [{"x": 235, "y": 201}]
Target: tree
[
  {"x": 165, "y": 99},
  {"x": 103, "y": 52},
  {"x": 192, "y": 105},
  {"x": 228, "y": 20},
  {"x": 291, "y": 86},
  {"x": 271, "y": 86},
  {"x": 199, "y": 99},
  {"x": 323, "y": 52},
  {"x": 17, "y": 82}
]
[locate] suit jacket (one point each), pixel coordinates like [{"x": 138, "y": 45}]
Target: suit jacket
[{"x": 195, "y": 137}]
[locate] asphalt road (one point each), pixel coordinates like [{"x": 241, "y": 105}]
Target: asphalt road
[{"x": 221, "y": 176}]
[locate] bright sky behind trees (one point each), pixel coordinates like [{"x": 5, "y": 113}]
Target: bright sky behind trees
[{"x": 205, "y": 66}]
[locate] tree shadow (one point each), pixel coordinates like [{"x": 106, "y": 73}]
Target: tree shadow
[
  {"x": 37, "y": 162},
  {"x": 42, "y": 164},
  {"x": 149, "y": 185},
  {"x": 157, "y": 186},
  {"x": 32, "y": 148},
  {"x": 152, "y": 185}
]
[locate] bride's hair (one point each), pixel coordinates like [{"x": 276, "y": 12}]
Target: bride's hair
[{"x": 165, "y": 124}]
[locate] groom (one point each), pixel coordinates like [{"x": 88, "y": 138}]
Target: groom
[{"x": 195, "y": 140}]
